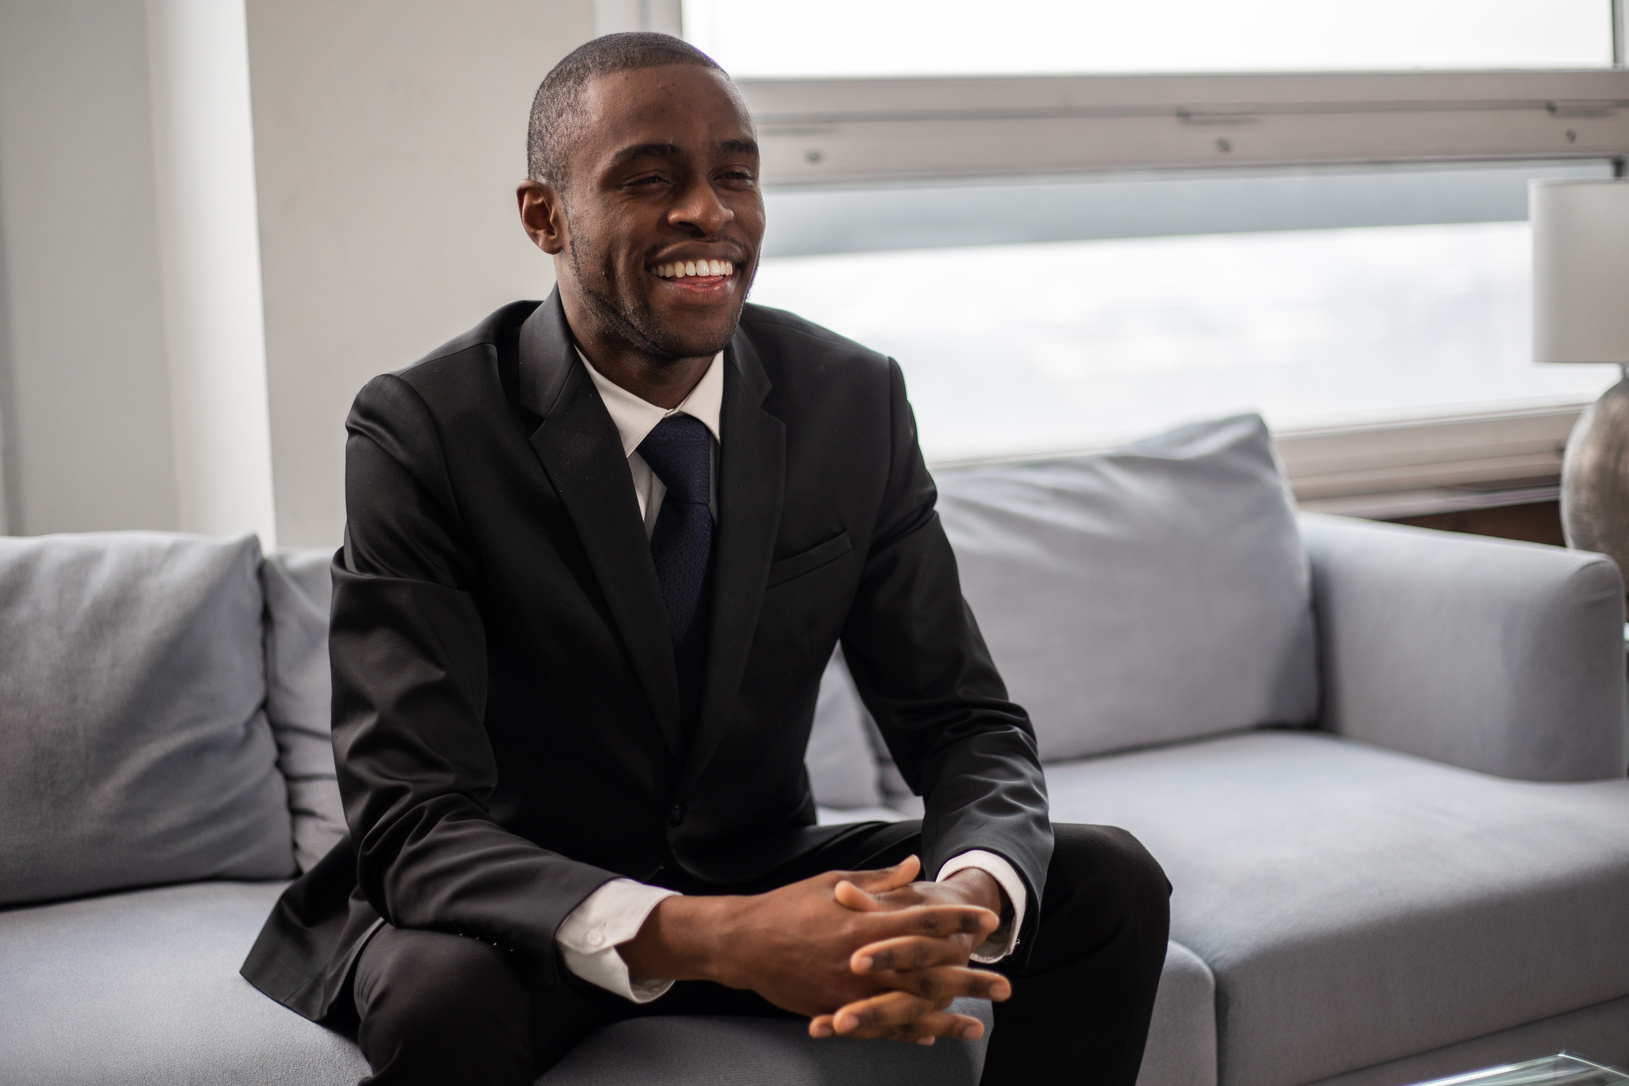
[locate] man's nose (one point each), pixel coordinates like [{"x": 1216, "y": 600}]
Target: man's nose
[{"x": 700, "y": 207}]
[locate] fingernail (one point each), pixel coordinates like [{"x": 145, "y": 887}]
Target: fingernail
[
  {"x": 1000, "y": 991},
  {"x": 924, "y": 1040},
  {"x": 864, "y": 963},
  {"x": 973, "y": 1033},
  {"x": 845, "y": 1022}
]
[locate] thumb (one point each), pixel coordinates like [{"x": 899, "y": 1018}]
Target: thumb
[{"x": 857, "y": 889}]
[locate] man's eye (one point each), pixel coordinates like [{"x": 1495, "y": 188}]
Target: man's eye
[{"x": 648, "y": 179}]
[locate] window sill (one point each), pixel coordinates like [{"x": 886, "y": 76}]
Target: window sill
[{"x": 1428, "y": 466}]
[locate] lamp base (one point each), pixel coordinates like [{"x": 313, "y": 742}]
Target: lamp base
[{"x": 1595, "y": 478}]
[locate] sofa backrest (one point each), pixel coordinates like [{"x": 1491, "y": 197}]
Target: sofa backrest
[
  {"x": 134, "y": 749},
  {"x": 1155, "y": 593},
  {"x": 299, "y": 590},
  {"x": 842, "y": 762}
]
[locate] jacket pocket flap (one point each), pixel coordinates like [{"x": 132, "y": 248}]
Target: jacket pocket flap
[{"x": 810, "y": 560}]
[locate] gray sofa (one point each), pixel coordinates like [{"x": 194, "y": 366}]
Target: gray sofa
[{"x": 1384, "y": 769}]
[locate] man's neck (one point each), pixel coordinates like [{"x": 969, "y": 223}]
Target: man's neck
[{"x": 664, "y": 382}]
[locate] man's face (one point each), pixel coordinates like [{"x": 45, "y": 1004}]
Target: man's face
[{"x": 663, "y": 213}]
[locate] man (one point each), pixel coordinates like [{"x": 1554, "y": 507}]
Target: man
[{"x": 598, "y": 553}]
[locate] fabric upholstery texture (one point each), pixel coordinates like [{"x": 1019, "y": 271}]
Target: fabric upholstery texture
[
  {"x": 133, "y": 745},
  {"x": 1181, "y": 1048},
  {"x": 142, "y": 989},
  {"x": 1497, "y": 656},
  {"x": 1154, "y": 593},
  {"x": 843, "y": 768},
  {"x": 1599, "y": 1033},
  {"x": 298, "y": 587},
  {"x": 1357, "y": 905}
]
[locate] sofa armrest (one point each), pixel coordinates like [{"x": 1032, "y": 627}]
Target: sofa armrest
[{"x": 1506, "y": 658}]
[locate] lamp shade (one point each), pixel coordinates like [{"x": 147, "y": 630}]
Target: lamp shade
[{"x": 1580, "y": 270}]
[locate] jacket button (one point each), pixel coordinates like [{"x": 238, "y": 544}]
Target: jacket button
[{"x": 675, "y": 814}]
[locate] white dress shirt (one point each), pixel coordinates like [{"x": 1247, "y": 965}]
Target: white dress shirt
[{"x": 614, "y": 913}]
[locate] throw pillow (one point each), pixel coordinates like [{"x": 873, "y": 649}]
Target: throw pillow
[
  {"x": 1155, "y": 593},
  {"x": 299, "y": 687},
  {"x": 134, "y": 749}
]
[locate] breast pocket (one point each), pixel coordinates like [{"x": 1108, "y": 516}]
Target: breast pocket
[{"x": 821, "y": 554}]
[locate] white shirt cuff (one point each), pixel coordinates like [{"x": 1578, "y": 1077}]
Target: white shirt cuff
[
  {"x": 1004, "y": 938},
  {"x": 606, "y": 919}
]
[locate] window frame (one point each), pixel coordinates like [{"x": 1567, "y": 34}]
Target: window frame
[
  {"x": 862, "y": 132},
  {"x": 869, "y": 132}
]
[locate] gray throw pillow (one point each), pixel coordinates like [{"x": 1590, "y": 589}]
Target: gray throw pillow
[
  {"x": 134, "y": 749},
  {"x": 1155, "y": 593},
  {"x": 299, "y": 587}
]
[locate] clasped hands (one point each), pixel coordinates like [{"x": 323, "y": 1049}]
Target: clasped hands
[{"x": 862, "y": 953}]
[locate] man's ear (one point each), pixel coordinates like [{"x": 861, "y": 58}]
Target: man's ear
[{"x": 543, "y": 214}]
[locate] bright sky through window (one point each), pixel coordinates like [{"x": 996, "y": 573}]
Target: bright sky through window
[
  {"x": 857, "y": 38},
  {"x": 1016, "y": 349}
]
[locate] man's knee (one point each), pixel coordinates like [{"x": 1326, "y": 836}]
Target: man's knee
[
  {"x": 1107, "y": 870},
  {"x": 430, "y": 1001}
]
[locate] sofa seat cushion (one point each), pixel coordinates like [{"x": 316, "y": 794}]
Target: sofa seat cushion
[
  {"x": 143, "y": 988},
  {"x": 1358, "y": 905}
]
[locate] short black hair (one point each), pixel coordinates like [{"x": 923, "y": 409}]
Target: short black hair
[{"x": 549, "y": 135}]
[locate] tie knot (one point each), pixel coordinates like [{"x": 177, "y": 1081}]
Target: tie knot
[{"x": 680, "y": 452}]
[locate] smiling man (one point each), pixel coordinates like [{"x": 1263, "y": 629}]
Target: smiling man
[{"x": 599, "y": 551}]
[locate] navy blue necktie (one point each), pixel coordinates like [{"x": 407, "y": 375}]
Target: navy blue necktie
[{"x": 680, "y": 452}]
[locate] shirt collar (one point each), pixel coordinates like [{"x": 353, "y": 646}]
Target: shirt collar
[{"x": 636, "y": 418}]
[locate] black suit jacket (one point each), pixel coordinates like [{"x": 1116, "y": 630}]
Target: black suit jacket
[{"x": 506, "y": 707}]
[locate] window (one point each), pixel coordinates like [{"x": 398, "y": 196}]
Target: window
[
  {"x": 1075, "y": 221},
  {"x": 1055, "y": 345},
  {"x": 778, "y": 39}
]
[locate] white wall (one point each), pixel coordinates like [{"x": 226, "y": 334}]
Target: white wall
[
  {"x": 132, "y": 375},
  {"x": 389, "y": 136},
  {"x": 87, "y": 387}
]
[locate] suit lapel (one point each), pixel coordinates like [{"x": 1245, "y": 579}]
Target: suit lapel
[
  {"x": 582, "y": 454},
  {"x": 752, "y": 451}
]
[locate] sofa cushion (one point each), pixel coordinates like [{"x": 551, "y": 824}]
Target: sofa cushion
[
  {"x": 843, "y": 769},
  {"x": 142, "y": 989},
  {"x": 298, "y": 587},
  {"x": 1357, "y": 905},
  {"x": 133, "y": 745},
  {"x": 1154, "y": 593},
  {"x": 1181, "y": 1046}
]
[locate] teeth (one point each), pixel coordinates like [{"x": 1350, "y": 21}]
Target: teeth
[{"x": 680, "y": 268}]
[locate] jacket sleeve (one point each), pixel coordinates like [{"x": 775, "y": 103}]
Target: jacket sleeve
[
  {"x": 923, "y": 670},
  {"x": 408, "y": 650}
]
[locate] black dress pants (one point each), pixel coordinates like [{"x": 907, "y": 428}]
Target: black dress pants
[{"x": 439, "y": 1009}]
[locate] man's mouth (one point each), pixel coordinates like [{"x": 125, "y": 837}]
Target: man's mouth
[{"x": 700, "y": 269}]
